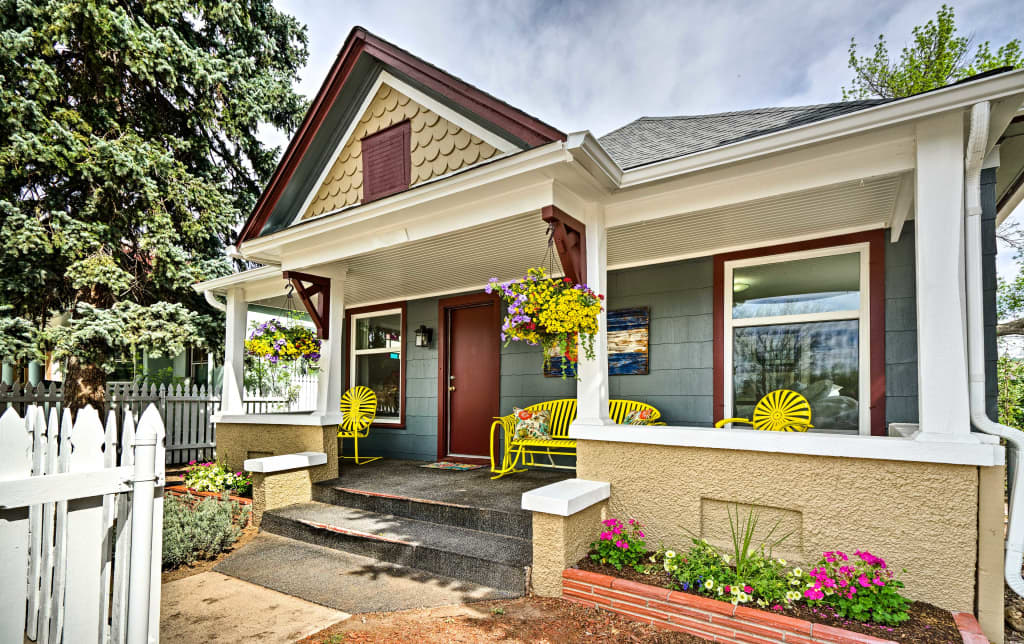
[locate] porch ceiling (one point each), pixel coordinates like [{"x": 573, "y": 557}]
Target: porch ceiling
[
  {"x": 800, "y": 215},
  {"x": 451, "y": 263}
]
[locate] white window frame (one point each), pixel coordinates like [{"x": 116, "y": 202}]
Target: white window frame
[
  {"x": 354, "y": 353},
  {"x": 862, "y": 315}
]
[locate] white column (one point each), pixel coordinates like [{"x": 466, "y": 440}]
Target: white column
[
  {"x": 331, "y": 380},
  {"x": 943, "y": 407},
  {"x": 233, "y": 386},
  {"x": 592, "y": 388}
]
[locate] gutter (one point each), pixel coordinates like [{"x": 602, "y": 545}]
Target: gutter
[{"x": 976, "y": 149}]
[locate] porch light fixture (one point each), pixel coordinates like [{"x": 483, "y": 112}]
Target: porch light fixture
[{"x": 424, "y": 336}]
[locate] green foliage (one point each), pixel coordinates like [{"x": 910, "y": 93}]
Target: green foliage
[
  {"x": 1010, "y": 377},
  {"x": 620, "y": 546},
  {"x": 129, "y": 153},
  {"x": 705, "y": 570},
  {"x": 200, "y": 532},
  {"x": 19, "y": 340},
  {"x": 861, "y": 587},
  {"x": 742, "y": 530},
  {"x": 937, "y": 56},
  {"x": 216, "y": 477}
]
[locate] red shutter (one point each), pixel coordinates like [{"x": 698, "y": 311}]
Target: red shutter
[{"x": 386, "y": 162}]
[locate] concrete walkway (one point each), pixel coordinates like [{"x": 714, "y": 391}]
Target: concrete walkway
[
  {"x": 345, "y": 581},
  {"x": 212, "y": 607}
]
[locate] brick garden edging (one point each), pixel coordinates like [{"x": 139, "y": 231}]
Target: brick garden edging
[
  {"x": 715, "y": 620},
  {"x": 184, "y": 492}
]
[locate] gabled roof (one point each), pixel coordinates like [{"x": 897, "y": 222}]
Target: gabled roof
[
  {"x": 361, "y": 58},
  {"x": 651, "y": 139}
]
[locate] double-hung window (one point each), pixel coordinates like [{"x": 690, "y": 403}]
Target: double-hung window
[
  {"x": 376, "y": 359},
  {"x": 800, "y": 321}
]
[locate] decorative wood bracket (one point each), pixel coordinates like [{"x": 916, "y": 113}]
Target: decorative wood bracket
[
  {"x": 570, "y": 237},
  {"x": 308, "y": 286}
]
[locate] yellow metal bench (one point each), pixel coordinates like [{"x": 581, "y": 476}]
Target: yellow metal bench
[{"x": 563, "y": 412}]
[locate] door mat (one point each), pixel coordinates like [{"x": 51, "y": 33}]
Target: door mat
[{"x": 454, "y": 467}]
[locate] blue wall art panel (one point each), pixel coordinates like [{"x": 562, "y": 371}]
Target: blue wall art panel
[{"x": 629, "y": 332}]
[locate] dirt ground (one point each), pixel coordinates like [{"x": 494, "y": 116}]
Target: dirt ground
[{"x": 516, "y": 621}]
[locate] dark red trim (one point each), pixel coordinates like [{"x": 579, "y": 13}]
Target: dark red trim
[
  {"x": 387, "y": 161},
  {"x": 876, "y": 286},
  {"x": 570, "y": 236},
  {"x": 532, "y": 131},
  {"x": 320, "y": 314},
  {"x": 443, "y": 306},
  {"x": 405, "y": 347}
]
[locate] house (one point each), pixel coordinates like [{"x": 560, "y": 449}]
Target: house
[{"x": 823, "y": 248}]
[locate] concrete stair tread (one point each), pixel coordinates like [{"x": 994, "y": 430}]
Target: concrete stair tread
[{"x": 374, "y": 526}]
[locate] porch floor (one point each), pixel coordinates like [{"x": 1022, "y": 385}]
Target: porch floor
[{"x": 472, "y": 488}]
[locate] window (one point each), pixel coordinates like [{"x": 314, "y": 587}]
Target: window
[
  {"x": 199, "y": 368},
  {"x": 387, "y": 162},
  {"x": 376, "y": 359},
  {"x": 800, "y": 321}
]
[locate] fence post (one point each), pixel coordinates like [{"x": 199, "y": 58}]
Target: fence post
[{"x": 143, "y": 488}]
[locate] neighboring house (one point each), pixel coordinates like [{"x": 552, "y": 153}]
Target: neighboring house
[{"x": 820, "y": 248}]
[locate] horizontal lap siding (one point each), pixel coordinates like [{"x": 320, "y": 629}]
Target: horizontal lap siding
[{"x": 900, "y": 330}]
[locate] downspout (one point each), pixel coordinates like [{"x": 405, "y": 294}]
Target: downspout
[
  {"x": 976, "y": 342},
  {"x": 214, "y": 302}
]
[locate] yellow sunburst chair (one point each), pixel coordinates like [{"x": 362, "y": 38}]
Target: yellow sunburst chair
[
  {"x": 563, "y": 412},
  {"x": 781, "y": 410},
  {"x": 358, "y": 410}
]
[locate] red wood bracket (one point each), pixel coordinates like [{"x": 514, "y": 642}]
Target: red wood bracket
[
  {"x": 570, "y": 237},
  {"x": 308, "y": 286}
]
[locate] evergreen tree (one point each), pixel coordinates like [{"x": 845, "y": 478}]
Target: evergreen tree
[{"x": 129, "y": 153}]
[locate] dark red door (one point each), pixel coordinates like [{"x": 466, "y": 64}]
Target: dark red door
[{"x": 473, "y": 355}]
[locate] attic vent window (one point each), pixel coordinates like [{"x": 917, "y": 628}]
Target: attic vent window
[{"x": 386, "y": 162}]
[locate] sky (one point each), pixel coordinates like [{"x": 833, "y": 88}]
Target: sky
[{"x": 596, "y": 65}]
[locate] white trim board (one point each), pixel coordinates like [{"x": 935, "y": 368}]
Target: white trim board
[{"x": 384, "y": 78}]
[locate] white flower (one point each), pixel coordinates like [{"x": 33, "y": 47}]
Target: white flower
[
  {"x": 798, "y": 572},
  {"x": 670, "y": 554},
  {"x": 719, "y": 590},
  {"x": 762, "y": 603},
  {"x": 726, "y": 558},
  {"x": 782, "y": 561},
  {"x": 793, "y": 595},
  {"x": 709, "y": 584}
]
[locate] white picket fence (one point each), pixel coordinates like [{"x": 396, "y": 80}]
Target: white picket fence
[
  {"x": 187, "y": 411},
  {"x": 81, "y": 522}
]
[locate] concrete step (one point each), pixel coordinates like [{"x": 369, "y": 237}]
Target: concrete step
[
  {"x": 494, "y": 560},
  {"x": 504, "y": 520}
]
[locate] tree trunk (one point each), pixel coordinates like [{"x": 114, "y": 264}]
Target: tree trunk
[
  {"x": 1013, "y": 327},
  {"x": 85, "y": 384}
]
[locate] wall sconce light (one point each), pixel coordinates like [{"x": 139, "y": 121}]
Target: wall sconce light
[{"x": 424, "y": 336}]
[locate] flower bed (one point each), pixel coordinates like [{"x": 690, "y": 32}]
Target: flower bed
[
  {"x": 720, "y": 621},
  {"x": 193, "y": 497}
]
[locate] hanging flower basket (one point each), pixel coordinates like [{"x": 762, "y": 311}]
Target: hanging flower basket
[
  {"x": 279, "y": 341},
  {"x": 556, "y": 314}
]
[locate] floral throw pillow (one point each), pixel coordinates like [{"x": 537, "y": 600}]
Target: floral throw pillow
[
  {"x": 640, "y": 417},
  {"x": 532, "y": 424}
]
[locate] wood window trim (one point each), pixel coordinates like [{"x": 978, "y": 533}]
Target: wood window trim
[
  {"x": 443, "y": 306},
  {"x": 399, "y": 174},
  {"x": 403, "y": 306},
  {"x": 876, "y": 304}
]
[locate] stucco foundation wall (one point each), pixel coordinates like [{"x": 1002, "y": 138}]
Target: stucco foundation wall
[
  {"x": 237, "y": 442},
  {"x": 278, "y": 489},
  {"x": 559, "y": 542},
  {"x": 918, "y": 516}
]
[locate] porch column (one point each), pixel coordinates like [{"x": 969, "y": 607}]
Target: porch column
[
  {"x": 233, "y": 386},
  {"x": 592, "y": 388},
  {"x": 331, "y": 380},
  {"x": 943, "y": 408}
]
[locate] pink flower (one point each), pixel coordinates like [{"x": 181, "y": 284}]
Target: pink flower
[
  {"x": 863, "y": 581},
  {"x": 622, "y": 544},
  {"x": 878, "y": 582},
  {"x": 776, "y": 607},
  {"x": 618, "y": 529},
  {"x": 632, "y": 521},
  {"x": 748, "y": 589},
  {"x": 610, "y": 522},
  {"x": 640, "y": 534},
  {"x": 606, "y": 536},
  {"x": 728, "y": 589}
]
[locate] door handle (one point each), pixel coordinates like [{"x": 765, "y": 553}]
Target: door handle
[{"x": 451, "y": 387}]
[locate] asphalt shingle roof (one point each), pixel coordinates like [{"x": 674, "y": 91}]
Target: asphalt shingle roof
[{"x": 656, "y": 138}]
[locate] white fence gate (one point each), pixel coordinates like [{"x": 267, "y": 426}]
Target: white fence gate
[{"x": 81, "y": 523}]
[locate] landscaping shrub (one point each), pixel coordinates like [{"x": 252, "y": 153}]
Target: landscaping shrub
[
  {"x": 200, "y": 531},
  {"x": 863, "y": 588},
  {"x": 620, "y": 547},
  {"x": 215, "y": 477}
]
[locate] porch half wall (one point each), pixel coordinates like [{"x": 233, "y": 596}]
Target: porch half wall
[{"x": 680, "y": 298}]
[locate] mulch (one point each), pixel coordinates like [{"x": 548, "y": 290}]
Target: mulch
[
  {"x": 927, "y": 623},
  {"x": 514, "y": 621}
]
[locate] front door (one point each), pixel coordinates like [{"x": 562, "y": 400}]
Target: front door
[{"x": 471, "y": 363}]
